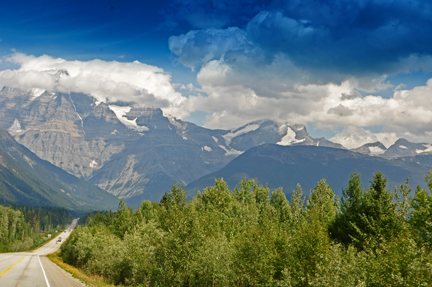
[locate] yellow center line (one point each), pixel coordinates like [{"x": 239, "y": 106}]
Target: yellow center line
[{"x": 10, "y": 267}]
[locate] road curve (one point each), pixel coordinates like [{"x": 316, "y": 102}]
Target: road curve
[{"x": 34, "y": 268}]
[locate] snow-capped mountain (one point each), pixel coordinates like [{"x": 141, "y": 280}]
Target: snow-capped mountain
[
  {"x": 402, "y": 147},
  {"x": 132, "y": 151},
  {"x": 376, "y": 148},
  {"x": 267, "y": 131}
]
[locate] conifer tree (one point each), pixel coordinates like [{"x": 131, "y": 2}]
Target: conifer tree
[
  {"x": 421, "y": 217},
  {"x": 351, "y": 208},
  {"x": 366, "y": 215}
]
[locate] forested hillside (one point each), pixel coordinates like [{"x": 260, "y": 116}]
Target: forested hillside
[
  {"x": 22, "y": 228},
  {"x": 286, "y": 166},
  {"x": 250, "y": 236}
]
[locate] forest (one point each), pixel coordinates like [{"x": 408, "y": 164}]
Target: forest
[
  {"x": 251, "y": 236},
  {"x": 23, "y": 228}
]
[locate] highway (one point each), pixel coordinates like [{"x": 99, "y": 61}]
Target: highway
[{"x": 34, "y": 269}]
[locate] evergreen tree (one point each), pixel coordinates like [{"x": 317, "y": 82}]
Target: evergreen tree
[
  {"x": 379, "y": 215},
  {"x": 366, "y": 215},
  {"x": 351, "y": 209},
  {"x": 421, "y": 217}
]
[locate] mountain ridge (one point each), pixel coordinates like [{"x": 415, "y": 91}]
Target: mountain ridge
[
  {"x": 131, "y": 151},
  {"x": 29, "y": 180},
  {"x": 280, "y": 166}
]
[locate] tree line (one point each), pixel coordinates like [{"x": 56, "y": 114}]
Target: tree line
[
  {"x": 21, "y": 228},
  {"x": 372, "y": 236}
]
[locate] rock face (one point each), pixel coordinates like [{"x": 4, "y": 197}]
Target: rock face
[
  {"x": 131, "y": 151},
  {"x": 376, "y": 148},
  {"x": 266, "y": 131},
  {"x": 25, "y": 179},
  {"x": 402, "y": 147}
]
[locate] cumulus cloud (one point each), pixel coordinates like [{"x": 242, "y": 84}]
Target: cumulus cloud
[
  {"x": 306, "y": 61},
  {"x": 350, "y": 96},
  {"x": 297, "y": 61},
  {"x": 236, "y": 97},
  {"x": 327, "y": 41},
  {"x": 341, "y": 111},
  {"x": 354, "y": 137},
  {"x": 112, "y": 81}
]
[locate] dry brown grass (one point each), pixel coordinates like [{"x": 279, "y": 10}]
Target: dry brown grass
[{"x": 89, "y": 280}]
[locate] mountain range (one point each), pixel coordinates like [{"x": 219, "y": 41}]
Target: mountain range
[
  {"x": 131, "y": 151},
  {"x": 136, "y": 152}
]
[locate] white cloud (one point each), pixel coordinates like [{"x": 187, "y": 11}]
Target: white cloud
[
  {"x": 354, "y": 137},
  {"x": 236, "y": 90},
  {"x": 269, "y": 70},
  {"x": 239, "y": 93},
  {"x": 133, "y": 81}
]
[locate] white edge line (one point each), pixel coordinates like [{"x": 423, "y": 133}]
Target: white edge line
[{"x": 43, "y": 270}]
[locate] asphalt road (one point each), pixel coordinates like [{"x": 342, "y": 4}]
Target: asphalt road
[{"x": 34, "y": 268}]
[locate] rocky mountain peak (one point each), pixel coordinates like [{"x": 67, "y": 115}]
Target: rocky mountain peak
[
  {"x": 58, "y": 73},
  {"x": 376, "y": 148},
  {"x": 132, "y": 151},
  {"x": 403, "y": 147}
]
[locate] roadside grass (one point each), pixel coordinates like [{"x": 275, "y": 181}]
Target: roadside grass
[{"x": 89, "y": 280}]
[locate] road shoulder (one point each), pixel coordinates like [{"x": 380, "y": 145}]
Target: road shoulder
[
  {"x": 76, "y": 273},
  {"x": 59, "y": 277}
]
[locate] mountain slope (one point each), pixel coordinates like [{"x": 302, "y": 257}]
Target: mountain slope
[
  {"x": 26, "y": 179},
  {"x": 131, "y": 151},
  {"x": 376, "y": 148},
  {"x": 402, "y": 147},
  {"x": 280, "y": 166}
]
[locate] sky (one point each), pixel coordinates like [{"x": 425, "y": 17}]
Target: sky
[{"x": 351, "y": 71}]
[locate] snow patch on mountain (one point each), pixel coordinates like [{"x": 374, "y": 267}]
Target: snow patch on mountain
[
  {"x": 243, "y": 130},
  {"x": 290, "y": 136},
  {"x": 93, "y": 164},
  {"x": 403, "y": 147},
  {"x": 206, "y": 148},
  {"x": 130, "y": 124},
  {"x": 230, "y": 151},
  {"x": 35, "y": 93},
  {"x": 119, "y": 110},
  {"x": 173, "y": 121},
  {"x": 15, "y": 127}
]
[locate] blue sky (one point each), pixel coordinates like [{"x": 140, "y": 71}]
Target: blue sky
[{"x": 352, "y": 70}]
